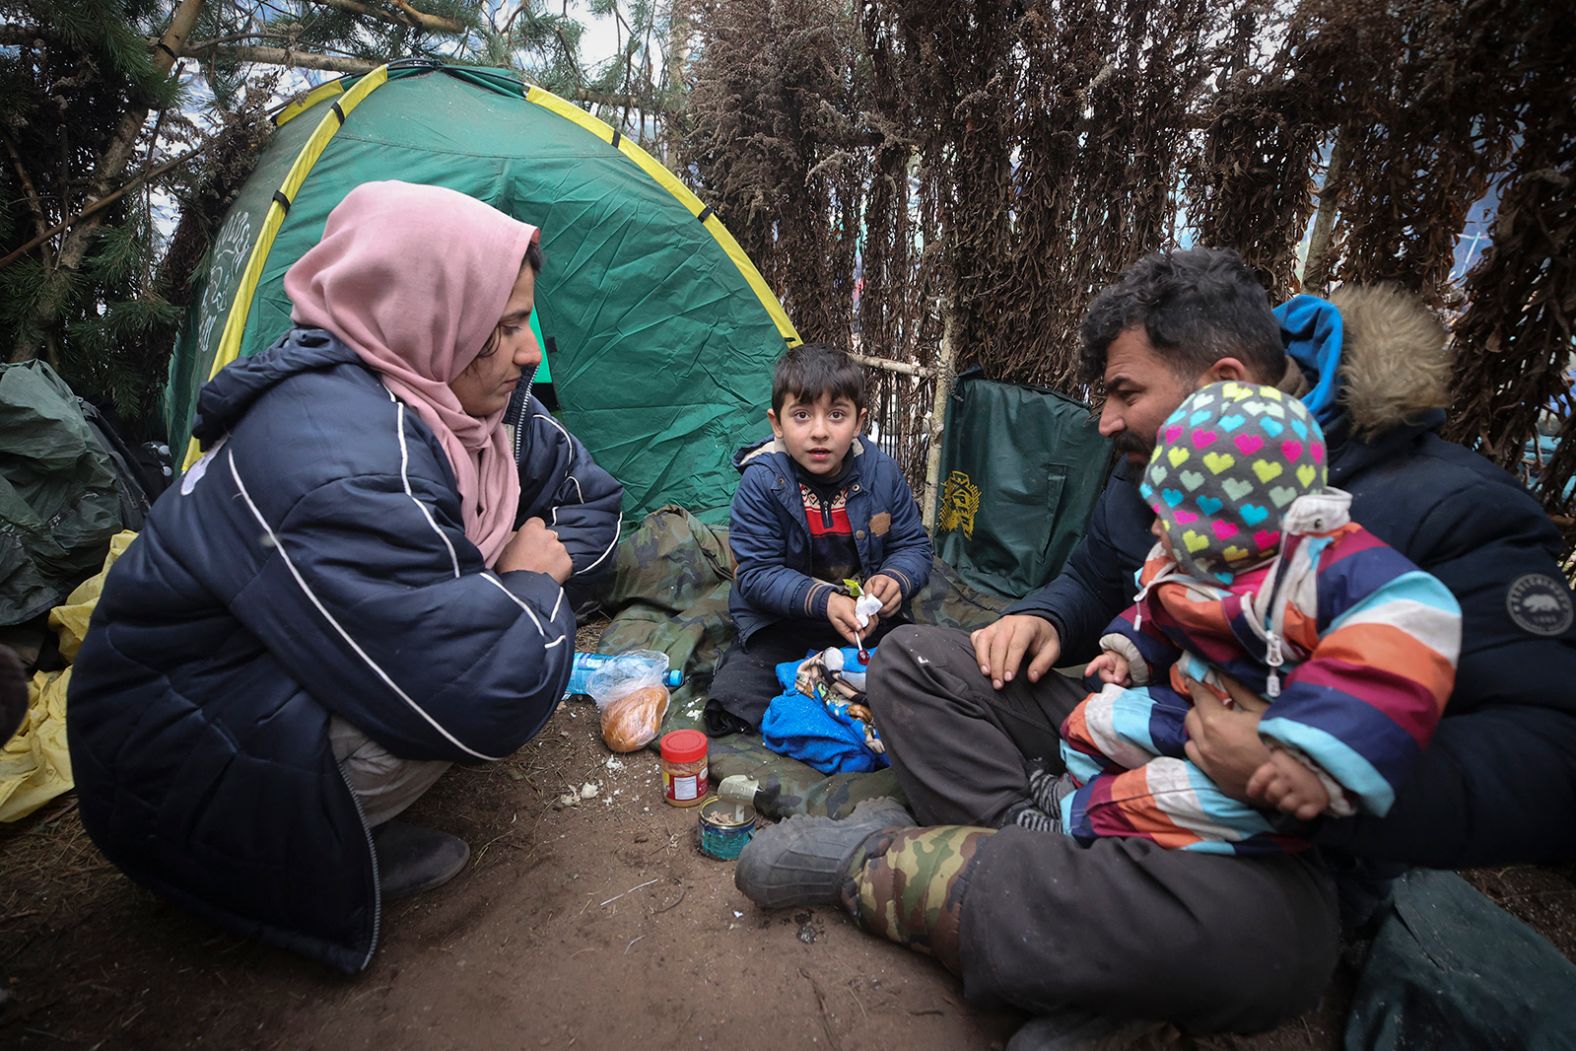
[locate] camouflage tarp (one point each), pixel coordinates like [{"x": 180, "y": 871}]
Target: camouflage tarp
[
  {"x": 669, "y": 592},
  {"x": 803, "y": 789},
  {"x": 949, "y": 601}
]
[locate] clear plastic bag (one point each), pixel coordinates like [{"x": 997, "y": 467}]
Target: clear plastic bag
[{"x": 631, "y": 698}]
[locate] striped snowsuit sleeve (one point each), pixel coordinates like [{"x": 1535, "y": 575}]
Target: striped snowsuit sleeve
[
  {"x": 1135, "y": 635},
  {"x": 1365, "y": 703}
]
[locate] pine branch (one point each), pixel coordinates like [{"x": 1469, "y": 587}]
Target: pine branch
[
  {"x": 118, "y": 154},
  {"x": 35, "y": 204},
  {"x": 508, "y": 26},
  {"x": 104, "y": 202},
  {"x": 283, "y": 56},
  {"x": 413, "y": 18},
  {"x": 21, "y": 36},
  {"x": 432, "y": 23},
  {"x": 612, "y": 101},
  {"x": 279, "y": 56}
]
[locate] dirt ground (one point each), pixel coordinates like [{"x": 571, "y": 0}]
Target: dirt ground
[{"x": 596, "y": 925}]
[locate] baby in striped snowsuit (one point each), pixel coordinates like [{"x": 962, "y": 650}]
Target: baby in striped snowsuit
[{"x": 1258, "y": 574}]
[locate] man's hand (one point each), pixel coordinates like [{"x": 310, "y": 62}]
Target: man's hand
[
  {"x": 537, "y": 548},
  {"x": 840, "y": 611},
  {"x": 1111, "y": 667},
  {"x": 887, "y": 590},
  {"x": 1001, "y": 647},
  {"x": 1287, "y": 785},
  {"x": 1224, "y": 742}
]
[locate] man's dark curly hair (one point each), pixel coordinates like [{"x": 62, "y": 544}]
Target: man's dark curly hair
[{"x": 1196, "y": 305}]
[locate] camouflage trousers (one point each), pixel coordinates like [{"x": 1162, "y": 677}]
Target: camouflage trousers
[{"x": 911, "y": 885}]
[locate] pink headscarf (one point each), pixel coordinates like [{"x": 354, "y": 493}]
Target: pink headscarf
[{"x": 414, "y": 279}]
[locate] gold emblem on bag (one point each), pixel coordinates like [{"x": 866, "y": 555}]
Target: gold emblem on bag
[{"x": 960, "y": 502}]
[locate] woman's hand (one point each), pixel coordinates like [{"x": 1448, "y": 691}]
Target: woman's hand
[{"x": 536, "y": 548}]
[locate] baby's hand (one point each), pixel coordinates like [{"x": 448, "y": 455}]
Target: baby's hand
[
  {"x": 1111, "y": 667},
  {"x": 1287, "y": 785}
]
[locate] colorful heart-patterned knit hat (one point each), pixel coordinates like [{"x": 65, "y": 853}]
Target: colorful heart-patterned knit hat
[{"x": 1227, "y": 464}]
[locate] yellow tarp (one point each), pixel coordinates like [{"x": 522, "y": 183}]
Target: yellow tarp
[{"x": 35, "y": 766}]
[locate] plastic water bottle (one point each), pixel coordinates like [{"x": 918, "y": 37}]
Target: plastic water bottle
[{"x": 587, "y": 663}]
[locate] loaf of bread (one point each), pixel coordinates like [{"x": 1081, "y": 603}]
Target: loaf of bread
[{"x": 632, "y": 721}]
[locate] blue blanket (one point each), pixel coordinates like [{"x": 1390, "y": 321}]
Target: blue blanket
[{"x": 813, "y": 732}]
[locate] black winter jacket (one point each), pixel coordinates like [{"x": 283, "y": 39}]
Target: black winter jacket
[
  {"x": 313, "y": 563},
  {"x": 1498, "y": 782}
]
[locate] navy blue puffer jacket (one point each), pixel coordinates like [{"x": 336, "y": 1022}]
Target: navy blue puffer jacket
[
  {"x": 770, "y": 538},
  {"x": 1498, "y": 782},
  {"x": 313, "y": 563}
]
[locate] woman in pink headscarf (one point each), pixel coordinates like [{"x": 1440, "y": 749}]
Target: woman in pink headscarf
[{"x": 346, "y": 594}]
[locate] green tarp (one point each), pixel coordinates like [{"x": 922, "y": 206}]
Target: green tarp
[
  {"x": 59, "y": 504},
  {"x": 1021, "y": 468},
  {"x": 664, "y": 349},
  {"x": 1450, "y": 969}
]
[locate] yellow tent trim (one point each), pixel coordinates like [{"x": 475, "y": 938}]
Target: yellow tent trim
[
  {"x": 668, "y": 181},
  {"x": 235, "y": 323},
  {"x": 310, "y": 99}
]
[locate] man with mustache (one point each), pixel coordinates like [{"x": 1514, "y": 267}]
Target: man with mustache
[{"x": 1122, "y": 927}]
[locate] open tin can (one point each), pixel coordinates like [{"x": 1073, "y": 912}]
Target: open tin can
[{"x": 724, "y": 827}]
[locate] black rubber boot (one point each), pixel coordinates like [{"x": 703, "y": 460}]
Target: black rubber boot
[
  {"x": 1073, "y": 1029},
  {"x": 804, "y": 860},
  {"x": 412, "y": 858}
]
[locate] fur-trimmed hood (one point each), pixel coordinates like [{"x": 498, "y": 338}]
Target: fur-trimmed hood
[{"x": 1392, "y": 364}]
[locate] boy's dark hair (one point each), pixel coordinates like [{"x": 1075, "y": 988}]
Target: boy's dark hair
[
  {"x": 810, "y": 370},
  {"x": 1196, "y": 306}
]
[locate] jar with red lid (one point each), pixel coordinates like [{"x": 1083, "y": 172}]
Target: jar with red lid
[{"x": 684, "y": 773}]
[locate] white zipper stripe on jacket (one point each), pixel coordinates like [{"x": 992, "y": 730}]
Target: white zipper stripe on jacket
[
  {"x": 519, "y": 436},
  {"x": 618, "y": 528},
  {"x": 567, "y": 438},
  {"x": 495, "y": 582},
  {"x": 370, "y": 663},
  {"x": 580, "y": 493},
  {"x": 404, "y": 476}
]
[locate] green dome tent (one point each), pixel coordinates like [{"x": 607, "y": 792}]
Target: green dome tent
[{"x": 662, "y": 332}]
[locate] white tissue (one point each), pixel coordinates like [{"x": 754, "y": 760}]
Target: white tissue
[{"x": 865, "y": 607}]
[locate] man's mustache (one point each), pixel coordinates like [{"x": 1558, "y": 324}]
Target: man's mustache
[{"x": 1129, "y": 442}]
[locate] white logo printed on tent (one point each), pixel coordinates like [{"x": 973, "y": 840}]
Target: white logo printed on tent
[{"x": 229, "y": 256}]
